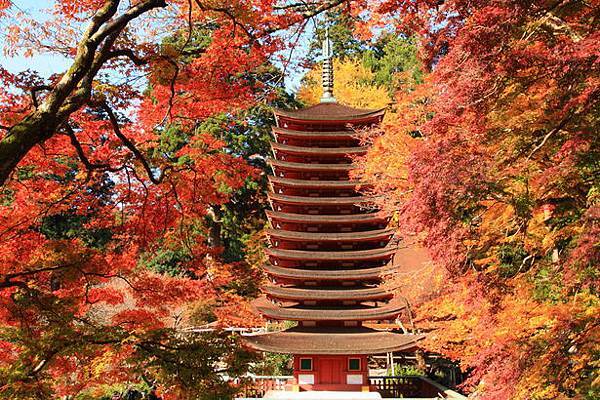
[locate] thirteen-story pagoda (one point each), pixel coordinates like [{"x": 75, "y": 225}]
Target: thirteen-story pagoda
[{"x": 329, "y": 251}]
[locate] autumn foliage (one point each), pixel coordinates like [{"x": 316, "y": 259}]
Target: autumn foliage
[
  {"x": 131, "y": 197},
  {"x": 492, "y": 160},
  {"x": 115, "y": 193},
  {"x": 495, "y": 158}
]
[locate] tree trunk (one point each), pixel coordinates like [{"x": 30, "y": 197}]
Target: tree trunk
[{"x": 34, "y": 129}]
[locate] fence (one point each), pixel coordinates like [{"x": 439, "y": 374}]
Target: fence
[
  {"x": 397, "y": 386},
  {"x": 255, "y": 387}
]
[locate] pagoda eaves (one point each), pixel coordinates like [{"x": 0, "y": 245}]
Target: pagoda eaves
[{"x": 330, "y": 250}]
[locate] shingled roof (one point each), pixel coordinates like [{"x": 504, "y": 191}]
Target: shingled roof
[
  {"x": 321, "y": 313},
  {"x": 320, "y": 151},
  {"x": 303, "y": 183},
  {"x": 329, "y": 112},
  {"x": 359, "y": 340},
  {"x": 328, "y": 293},
  {"x": 280, "y": 198},
  {"x": 333, "y": 135},
  {"x": 375, "y": 273},
  {"x": 351, "y": 255},
  {"x": 294, "y": 166},
  {"x": 327, "y": 219},
  {"x": 331, "y": 237}
]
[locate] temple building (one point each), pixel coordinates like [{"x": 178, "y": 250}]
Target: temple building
[{"x": 330, "y": 250}]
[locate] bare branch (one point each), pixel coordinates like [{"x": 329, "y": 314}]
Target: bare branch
[
  {"x": 301, "y": 4},
  {"x": 101, "y": 16},
  {"x": 9, "y": 282},
  {"x": 310, "y": 13},
  {"x": 556, "y": 24},
  {"x": 83, "y": 59},
  {"x": 547, "y": 136},
  {"x": 117, "y": 24},
  {"x": 128, "y": 53}
]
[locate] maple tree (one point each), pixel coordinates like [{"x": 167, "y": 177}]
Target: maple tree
[
  {"x": 495, "y": 158},
  {"x": 122, "y": 181}
]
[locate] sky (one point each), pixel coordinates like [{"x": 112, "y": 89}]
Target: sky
[{"x": 47, "y": 64}]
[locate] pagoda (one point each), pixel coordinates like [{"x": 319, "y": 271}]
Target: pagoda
[{"x": 330, "y": 251}]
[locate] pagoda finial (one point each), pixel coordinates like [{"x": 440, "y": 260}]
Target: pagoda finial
[{"x": 327, "y": 78}]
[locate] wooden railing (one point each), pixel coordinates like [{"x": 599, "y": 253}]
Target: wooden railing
[
  {"x": 257, "y": 386},
  {"x": 397, "y": 386}
]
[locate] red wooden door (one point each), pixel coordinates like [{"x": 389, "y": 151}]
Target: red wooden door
[{"x": 331, "y": 371}]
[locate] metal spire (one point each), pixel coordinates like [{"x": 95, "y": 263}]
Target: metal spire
[{"x": 327, "y": 78}]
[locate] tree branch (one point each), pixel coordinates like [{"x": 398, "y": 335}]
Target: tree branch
[
  {"x": 83, "y": 158},
  {"x": 128, "y": 53},
  {"x": 34, "y": 90},
  {"x": 310, "y": 13},
  {"x": 131, "y": 146},
  {"x": 122, "y": 20},
  {"x": 229, "y": 13},
  {"x": 547, "y": 136},
  {"x": 74, "y": 87},
  {"x": 8, "y": 282}
]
